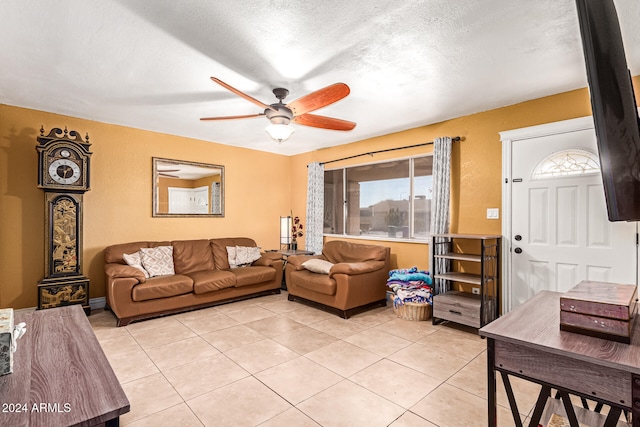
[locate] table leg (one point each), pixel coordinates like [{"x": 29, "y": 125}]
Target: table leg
[
  {"x": 635, "y": 401},
  {"x": 512, "y": 399},
  {"x": 491, "y": 383},
  {"x": 114, "y": 422},
  {"x": 544, "y": 395}
]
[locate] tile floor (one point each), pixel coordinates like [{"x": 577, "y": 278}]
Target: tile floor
[{"x": 272, "y": 362}]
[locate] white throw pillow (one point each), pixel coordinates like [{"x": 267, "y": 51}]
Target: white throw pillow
[
  {"x": 317, "y": 265},
  {"x": 134, "y": 260},
  {"x": 241, "y": 256},
  {"x": 158, "y": 261}
]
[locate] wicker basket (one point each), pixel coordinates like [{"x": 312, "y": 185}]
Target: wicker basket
[{"x": 413, "y": 311}]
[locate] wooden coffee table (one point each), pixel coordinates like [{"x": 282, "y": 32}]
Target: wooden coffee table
[{"x": 61, "y": 376}]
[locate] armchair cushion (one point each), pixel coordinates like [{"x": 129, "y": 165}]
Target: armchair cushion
[{"x": 351, "y": 268}]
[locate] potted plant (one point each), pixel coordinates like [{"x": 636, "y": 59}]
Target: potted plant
[{"x": 296, "y": 231}]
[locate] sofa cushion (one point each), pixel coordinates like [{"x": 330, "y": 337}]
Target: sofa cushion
[
  {"x": 212, "y": 280},
  {"x": 337, "y": 251},
  {"x": 317, "y": 265},
  {"x": 192, "y": 255},
  {"x": 253, "y": 275},
  {"x": 158, "y": 261},
  {"x": 320, "y": 283},
  {"x": 162, "y": 287}
]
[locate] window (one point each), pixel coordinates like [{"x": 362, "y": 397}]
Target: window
[
  {"x": 380, "y": 200},
  {"x": 567, "y": 163}
]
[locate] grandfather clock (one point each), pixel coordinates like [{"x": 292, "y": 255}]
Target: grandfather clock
[{"x": 63, "y": 174}]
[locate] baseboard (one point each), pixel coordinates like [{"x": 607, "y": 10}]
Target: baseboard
[{"x": 95, "y": 303}]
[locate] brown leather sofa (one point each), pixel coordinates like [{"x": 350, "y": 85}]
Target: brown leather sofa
[
  {"x": 356, "y": 281},
  {"x": 202, "y": 278}
]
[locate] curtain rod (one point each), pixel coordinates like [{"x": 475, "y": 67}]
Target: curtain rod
[{"x": 371, "y": 153}]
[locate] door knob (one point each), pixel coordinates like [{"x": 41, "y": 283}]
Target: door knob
[
  {"x": 518, "y": 237},
  {"x": 518, "y": 250}
]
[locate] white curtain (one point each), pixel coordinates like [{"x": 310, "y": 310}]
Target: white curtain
[
  {"x": 440, "y": 200},
  {"x": 315, "y": 207}
]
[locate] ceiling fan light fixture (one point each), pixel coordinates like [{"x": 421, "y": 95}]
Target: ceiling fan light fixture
[{"x": 280, "y": 132}]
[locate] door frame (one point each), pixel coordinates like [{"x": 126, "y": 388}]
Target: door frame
[{"x": 508, "y": 139}]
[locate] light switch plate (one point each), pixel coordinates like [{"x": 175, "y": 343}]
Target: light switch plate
[{"x": 493, "y": 213}]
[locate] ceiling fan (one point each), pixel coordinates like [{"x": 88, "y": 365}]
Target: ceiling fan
[{"x": 280, "y": 114}]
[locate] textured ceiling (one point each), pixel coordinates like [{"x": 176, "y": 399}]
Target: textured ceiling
[{"x": 146, "y": 64}]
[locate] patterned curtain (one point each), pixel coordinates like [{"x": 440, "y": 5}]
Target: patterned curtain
[
  {"x": 315, "y": 207},
  {"x": 440, "y": 201}
]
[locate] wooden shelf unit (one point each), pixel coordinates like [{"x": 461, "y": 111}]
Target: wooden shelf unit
[{"x": 466, "y": 308}]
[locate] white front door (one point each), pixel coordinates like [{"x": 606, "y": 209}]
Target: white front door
[{"x": 559, "y": 232}]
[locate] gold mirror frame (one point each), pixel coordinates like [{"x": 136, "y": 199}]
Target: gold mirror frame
[{"x": 187, "y": 189}]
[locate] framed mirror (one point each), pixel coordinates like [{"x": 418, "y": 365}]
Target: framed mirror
[{"x": 182, "y": 188}]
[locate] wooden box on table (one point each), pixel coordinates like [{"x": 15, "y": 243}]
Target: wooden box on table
[{"x": 600, "y": 309}]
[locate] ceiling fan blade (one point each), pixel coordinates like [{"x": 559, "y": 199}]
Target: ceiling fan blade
[
  {"x": 323, "y": 122},
  {"x": 318, "y": 99},
  {"x": 245, "y": 116},
  {"x": 242, "y": 94}
]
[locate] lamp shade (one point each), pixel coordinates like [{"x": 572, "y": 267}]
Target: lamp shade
[
  {"x": 285, "y": 230},
  {"x": 280, "y": 132}
]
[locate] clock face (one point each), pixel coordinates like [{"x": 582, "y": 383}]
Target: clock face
[{"x": 64, "y": 171}]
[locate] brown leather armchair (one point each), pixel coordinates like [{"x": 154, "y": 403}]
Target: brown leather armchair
[{"x": 354, "y": 283}]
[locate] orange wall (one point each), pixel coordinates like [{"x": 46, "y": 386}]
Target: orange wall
[{"x": 118, "y": 207}]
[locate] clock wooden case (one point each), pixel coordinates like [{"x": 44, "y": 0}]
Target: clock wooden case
[{"x": 63, "y": 173}]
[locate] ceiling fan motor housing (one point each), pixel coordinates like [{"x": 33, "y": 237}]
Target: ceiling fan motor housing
[{"x": 282, "y": 115}]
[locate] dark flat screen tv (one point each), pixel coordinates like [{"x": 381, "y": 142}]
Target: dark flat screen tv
[{"x": 613, "y": 106}]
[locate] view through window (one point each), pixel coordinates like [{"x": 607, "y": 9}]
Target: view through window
[{"x": 380, "y": 200}]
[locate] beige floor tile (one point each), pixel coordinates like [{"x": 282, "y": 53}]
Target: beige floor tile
[
  {"x": 307, "y": 315},
  {"x": 148, "y": 396},
  {"x": 202, "y": 376},
  {"x": 249, "y": 314},
  {"x": 378, "y": 342},
  {"x": 149, "y": 338},
  {"x": 473, "y": 378},
  {"x": 158, "y": 322},
  {"x": 298, "y": 379},
  {"x": 305, "y": 340},
  {"x": 374, "y": 317},
  {"x": 244, "y": 403},
  {"x": 127, "y": 359},
  {"x": 347, "y": 404},
  {"x": 409, "y": 419},
  {"x": 429, "y": 361},
  {"x": 261, "y": 355},
  {"x": 213, "y": 322},
  {"x": 407, "y": 329},
  {"x": 290, "y": 418},
  {"x": 275, "y": 325},
  {"x": 182, "y": 352},
  {"x": 462, "y": 345},
  {"x": 234, "y": 337},
  {"x": 279, "y": 306},
  {"x": 449, "y": 406},
  {"x": 179, "y": 415},
  {"x": 103, "y": 323},
  {"x": 338, "y": 327},
  {"x": 196, "y": 314},
  {"x": 343, "y": 358},
  {"x": 399, "y": 384}
]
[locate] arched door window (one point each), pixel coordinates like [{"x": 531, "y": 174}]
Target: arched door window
[{"x": 567, "y": 163}]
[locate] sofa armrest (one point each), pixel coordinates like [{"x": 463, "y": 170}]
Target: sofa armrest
[
  {"x": 268, "y": 258},
  {"x": 297, "y": 260},
  {"x": 352, "y": 268},
  {"x": 115, "y": 270}
]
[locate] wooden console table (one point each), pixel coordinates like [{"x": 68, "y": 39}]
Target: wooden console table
[
  {"x": 527, "y": 343},
  {"x": 61, "y": 376}
]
